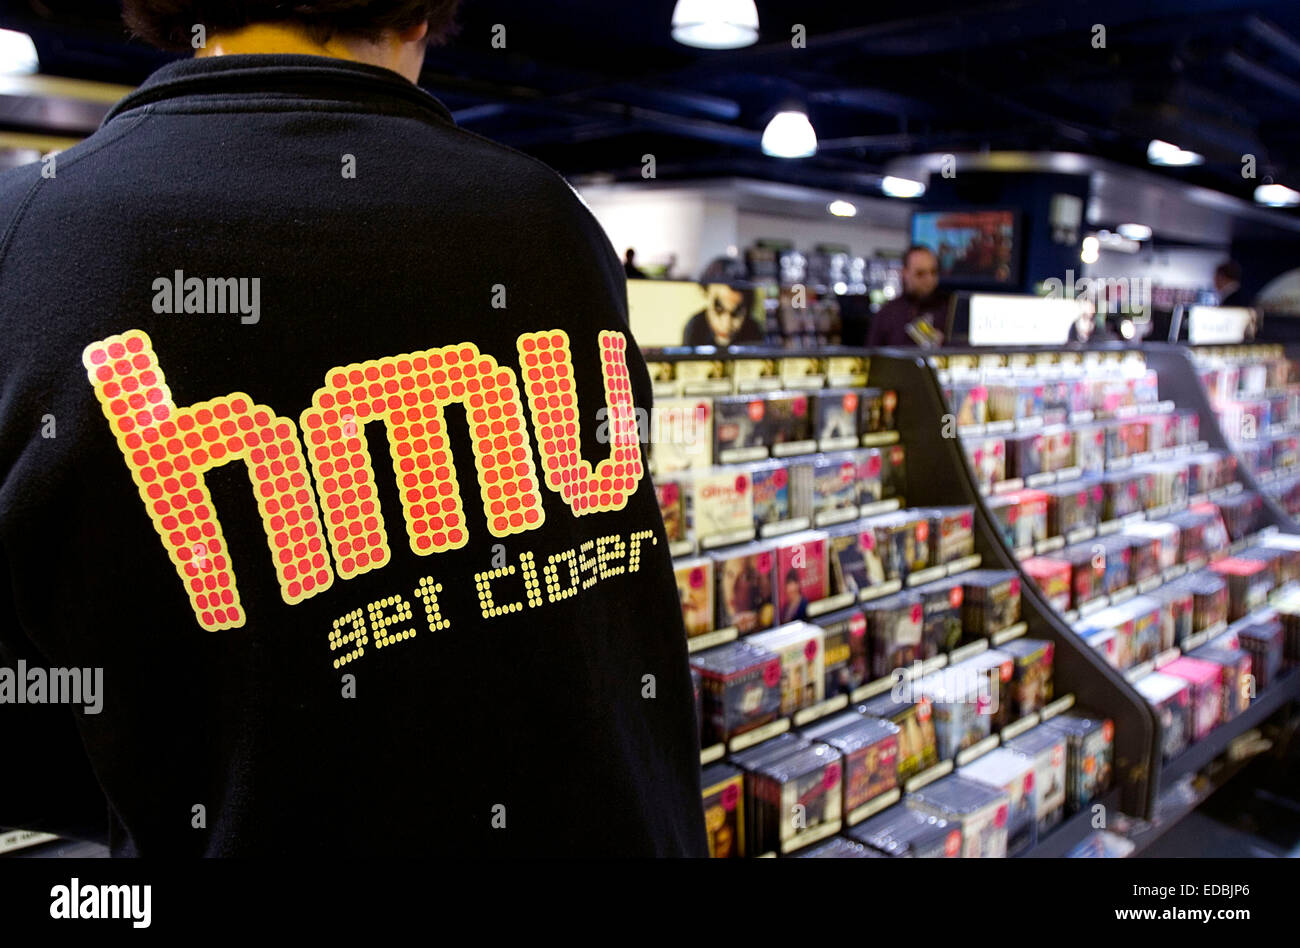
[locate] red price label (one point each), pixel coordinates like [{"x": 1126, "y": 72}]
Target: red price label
[
  {"x": 966, "y": 521},
  {"x": 742, "y": 484},
  {"x": 868, "y": 540},
  {"x": 772, "y": 674},
  {"x": 831, "y": 777},
  {"x": 850, "y": 402},
  {"x": 810, "y": 650},
  {"x": 1015, "y": 585},
  {"x": 780, "y": 477},
  {"x": 846, "y": 473},
  {"x": 952, "y": 846},
  {"x": 917, "y": 613},
  {"x": 756, "y": 410},
  {"x": 697, "y": 577},
  {"x": 922, "y": 531},
  {"x": 873, "y": 465},
  {"x": 1107, "y": 731},
  {"x": 800, "y": 406},
  {"x": 955, "y": 596},
  {"x": 730, "y": 797},
  {"x": 764, "y": 562},
  {"x": 669, "y": 493}
]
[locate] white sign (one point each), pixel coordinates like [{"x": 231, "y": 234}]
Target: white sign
[
  {"x": 998, "y": 319},
  {"x": 1214, "y": 325}
]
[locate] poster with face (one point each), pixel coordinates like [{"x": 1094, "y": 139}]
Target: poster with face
[{"x": 676, "y": 313}]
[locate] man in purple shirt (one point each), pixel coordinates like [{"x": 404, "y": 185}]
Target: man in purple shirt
[{"x": 921, "y": 301}]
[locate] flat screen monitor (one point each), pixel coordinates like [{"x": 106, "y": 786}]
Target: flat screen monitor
[{"x": 975, "y": 247}]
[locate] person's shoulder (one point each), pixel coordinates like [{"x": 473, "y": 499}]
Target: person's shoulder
[
  {"x": 513, "y": 171},
  {"x": 897, "y": 305},
  {"x": 16, "y": 186}
]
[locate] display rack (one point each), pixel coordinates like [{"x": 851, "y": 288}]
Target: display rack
[
  {"x": 941, "y": 474},
  {"x": 936, "y": 479},
  {"x": 928, "y": 432},
  {"x": 1180, "y": 388}
]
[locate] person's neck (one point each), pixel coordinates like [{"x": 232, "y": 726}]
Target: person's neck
[{"x": 264, "y": 38}]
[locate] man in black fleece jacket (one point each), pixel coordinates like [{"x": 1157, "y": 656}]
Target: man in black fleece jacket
[{"x": 318, "y": 435}]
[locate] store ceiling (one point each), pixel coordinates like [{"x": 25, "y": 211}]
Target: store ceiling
[{"x": 592, "y": 87}]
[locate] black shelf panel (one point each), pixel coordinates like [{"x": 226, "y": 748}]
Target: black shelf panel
[
  {"x": 1199, "y": 755},
  {"x": 1073, "y": 831}
]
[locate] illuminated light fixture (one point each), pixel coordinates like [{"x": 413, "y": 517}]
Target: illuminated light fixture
[
  {"x": 1127, "y": 329},
  {"x": 840, "y": 288},
  {"x": 1276, "y": 195},
  {"x": 789, "y": 135},
  {"x": 1134, "y": 231},
  {"x": 1091, "y": 249},
  {"x": 715, "y": 24},
  {"x": 17, "y": 54},
  {"x": 842, "y": 209},
  {"x": 901, "y": 187},
  {"x": 1170, "y": 155}
]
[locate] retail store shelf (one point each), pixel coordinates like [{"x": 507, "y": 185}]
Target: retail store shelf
[{"x": 1200, "y": 754}]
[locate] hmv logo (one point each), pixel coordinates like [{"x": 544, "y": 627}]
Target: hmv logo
[{"x": 314, "y": 477}]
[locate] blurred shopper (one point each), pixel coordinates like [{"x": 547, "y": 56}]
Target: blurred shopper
[
  {"x": 461, "y": 637},
  {"x": 1227, "y": 284},
  {"x": 630, "y": 269},
  {"x": 920, "y": 311}
]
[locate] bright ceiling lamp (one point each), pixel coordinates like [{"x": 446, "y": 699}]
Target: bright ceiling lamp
[
  {"x": 1090, "y": 250},
  {"x": 842, "y": 209},
  {"x": 17, "y": 54},
  {"x": 1170, "y": 155},
  {"x": 901, "y": 187},
  {"x": 789, "y": 135},
  {"x": 1134, "y": 231},
  {"x": 715, "y": 24},
  {"x": 1276, "y": 195}
]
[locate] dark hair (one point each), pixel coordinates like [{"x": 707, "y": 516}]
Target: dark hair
[
  {"x": 917, "y": 248},
  {"x": 1230, "y": 270},
  {"x": 169, "y": 23}
]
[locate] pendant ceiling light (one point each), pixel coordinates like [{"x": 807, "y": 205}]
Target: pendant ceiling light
[
  {"x": 715, "y": 24},
  {"x": 789, "y": 135}
]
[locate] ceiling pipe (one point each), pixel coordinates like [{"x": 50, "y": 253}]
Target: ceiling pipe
[
  {"x": 1269, "y": 33},
  {"x": 1249, "y": 69}
]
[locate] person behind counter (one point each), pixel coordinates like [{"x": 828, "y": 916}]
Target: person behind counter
[{"x": 922, "y": 305}]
